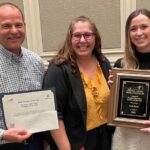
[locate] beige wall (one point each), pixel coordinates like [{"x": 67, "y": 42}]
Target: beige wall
[
  {"x": 48, "y": 20},
  {"x": 143, "y": 4},
  {"x": 56, "y": 18}
]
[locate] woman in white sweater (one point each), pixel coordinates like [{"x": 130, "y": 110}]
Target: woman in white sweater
[{"x": 137, "y": 56}]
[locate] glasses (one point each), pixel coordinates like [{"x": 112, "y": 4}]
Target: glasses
[{"x": 87, "y": 35}]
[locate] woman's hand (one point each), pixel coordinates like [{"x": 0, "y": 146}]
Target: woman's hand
[
  {"x": 146, "y": 130},
  {"x": 110, "y": 78}
]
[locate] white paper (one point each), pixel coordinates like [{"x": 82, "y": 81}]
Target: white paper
[{"x": 33, "y": 111}]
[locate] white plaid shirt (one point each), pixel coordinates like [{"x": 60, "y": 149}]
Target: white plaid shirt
[{"x": 22, "y": 73}]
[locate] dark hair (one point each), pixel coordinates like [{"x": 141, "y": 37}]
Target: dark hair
[
  {"x": 12, "y": 5},
  {"x": 66, "y": 53}
]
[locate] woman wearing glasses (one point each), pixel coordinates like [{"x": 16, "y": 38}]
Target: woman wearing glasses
[{"x": 79, "y": 75}]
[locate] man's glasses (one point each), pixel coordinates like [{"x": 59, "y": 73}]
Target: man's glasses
[{"x": 87, "y": 35}]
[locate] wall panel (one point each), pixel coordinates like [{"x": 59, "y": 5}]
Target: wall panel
[
  {"x": 56, "y": 15},
  {"x": 143, "y": 4}
]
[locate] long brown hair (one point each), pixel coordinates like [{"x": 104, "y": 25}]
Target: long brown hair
[
  {"x": 66, "y": 52},
  {"x": 130, "y": 61}
]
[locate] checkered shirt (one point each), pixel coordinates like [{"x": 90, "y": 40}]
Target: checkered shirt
[{"x": 22, "y": 73}]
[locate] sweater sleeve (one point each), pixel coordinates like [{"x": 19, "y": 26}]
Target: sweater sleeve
[{"x": 117, "y": 64}]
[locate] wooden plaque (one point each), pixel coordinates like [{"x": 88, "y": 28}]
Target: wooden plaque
[{"x": 129, "y": 103}]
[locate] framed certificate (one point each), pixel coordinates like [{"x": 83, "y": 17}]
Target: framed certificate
[
  {"x": 34, "y": 111},
  {"x": 129, "y": 103}
]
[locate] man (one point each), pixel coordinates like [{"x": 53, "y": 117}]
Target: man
[{"x": 20, "y": 70}]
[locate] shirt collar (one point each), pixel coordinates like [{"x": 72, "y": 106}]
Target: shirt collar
[{"x": 9, "y": 54}]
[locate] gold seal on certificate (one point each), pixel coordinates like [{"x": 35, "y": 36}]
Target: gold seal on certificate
[
  {"x": 129, "y": 103},
  {"x": 34, "y": 111}
]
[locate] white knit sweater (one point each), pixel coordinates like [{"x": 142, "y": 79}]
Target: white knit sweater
[{"x": 130, "y": 139}]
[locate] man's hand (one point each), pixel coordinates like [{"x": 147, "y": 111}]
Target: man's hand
[{"x": 16, "y": 135}]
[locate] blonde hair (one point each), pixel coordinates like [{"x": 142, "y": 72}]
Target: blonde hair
[{"x": 130, "y": 61}]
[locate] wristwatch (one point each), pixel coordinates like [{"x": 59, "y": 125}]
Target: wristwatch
[{"x": 1, "y": 133}]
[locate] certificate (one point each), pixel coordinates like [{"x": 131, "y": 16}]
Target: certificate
[
  {"x": 34, "y": 111},
  {"x": 129, "y": 103}
]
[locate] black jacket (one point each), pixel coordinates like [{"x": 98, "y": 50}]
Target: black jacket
[{"x": 71, "y": 100}]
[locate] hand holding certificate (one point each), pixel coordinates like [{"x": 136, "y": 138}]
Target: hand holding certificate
[{"x": 34, "y": 111}]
